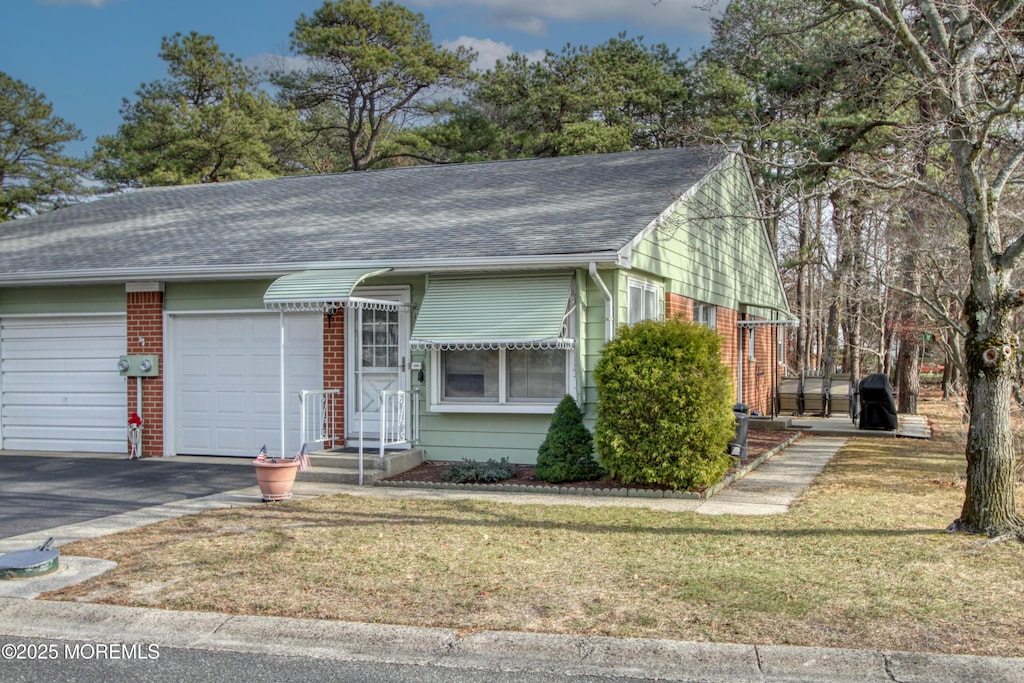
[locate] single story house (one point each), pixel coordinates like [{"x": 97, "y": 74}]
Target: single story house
[{"x": 474, "y": 295}]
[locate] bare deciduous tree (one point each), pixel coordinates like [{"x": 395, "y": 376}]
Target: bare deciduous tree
[{"x": 964, "y": 60}]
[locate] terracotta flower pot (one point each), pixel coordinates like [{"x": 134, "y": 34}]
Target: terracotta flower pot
[{"x": 276, "y": 478}]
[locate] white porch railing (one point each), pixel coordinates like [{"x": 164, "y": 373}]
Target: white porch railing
[
  {"x": 399, "y": 423},
  {"x": 399, "y": 418},
  {"x": 318, "y": 416}
]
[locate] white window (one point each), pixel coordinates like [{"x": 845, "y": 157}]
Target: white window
[
  {"x": 500, "y": 380},
  {"x": 705, "y": 315},
  {"x": 470, "y": 376},
  {"x": 644, "y": 299},
  {"x": 751, "y": 344}
]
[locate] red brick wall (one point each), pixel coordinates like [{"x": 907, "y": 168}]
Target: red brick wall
[
  {"x": 759, "y": 373},
  {"x": 678, "y": 307},
  {"x": 725, "y": 324},
  {"x": 334, "y": 366},
  {"x": 757, "y": 388},
  {"x": 145, "y": 318}
]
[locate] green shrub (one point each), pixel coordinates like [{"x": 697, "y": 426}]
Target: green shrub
[
  {"x": 470, "y": 471},
  {"x": 567, "y": 453},
  {"x": 665, "y": 405}
]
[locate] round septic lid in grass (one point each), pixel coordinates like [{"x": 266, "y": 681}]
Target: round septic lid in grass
[{"x": 25, "y": 563}]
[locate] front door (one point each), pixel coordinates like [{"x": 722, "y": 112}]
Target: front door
[{"x": 378, "y": 360}]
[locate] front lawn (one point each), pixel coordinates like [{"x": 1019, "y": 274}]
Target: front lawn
[{"x": 860, "y": 561}]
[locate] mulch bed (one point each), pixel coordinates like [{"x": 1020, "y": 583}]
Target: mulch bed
[{"x": 431, "y": 472}]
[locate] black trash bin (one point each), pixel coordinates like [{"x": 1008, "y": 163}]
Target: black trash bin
[
  {"x": 738, "y": 446},
  {"x": 877, "y": 407}
]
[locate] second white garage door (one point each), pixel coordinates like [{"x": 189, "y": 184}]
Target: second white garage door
[
  {"x": 60, "y": 389},
  {"x": 226, "y": 380}
]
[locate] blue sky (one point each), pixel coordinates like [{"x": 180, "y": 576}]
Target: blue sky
[{"x": 85, "y": 56}]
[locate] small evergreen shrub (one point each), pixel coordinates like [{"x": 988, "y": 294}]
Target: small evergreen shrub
[
  {"x": 567, "y": 453},
  {"x": 473, "y": 472},
  {"x": 665, "y": 405}
]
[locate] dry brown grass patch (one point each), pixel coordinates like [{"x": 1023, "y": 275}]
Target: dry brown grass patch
[{"x": 861, "y": 561}]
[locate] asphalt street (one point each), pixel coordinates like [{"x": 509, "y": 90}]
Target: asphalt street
[{"x": 66, "y": 660}]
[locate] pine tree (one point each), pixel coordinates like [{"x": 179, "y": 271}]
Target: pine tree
[
  {"x": 567, "y": 453},
  {"x": 35, "y": 173}
]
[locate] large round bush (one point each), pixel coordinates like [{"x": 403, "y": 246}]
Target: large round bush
[{"x": 664, "y": 411}]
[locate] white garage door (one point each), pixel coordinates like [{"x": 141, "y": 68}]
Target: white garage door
[
  {"x": 226, "y": 374},
  {"x": 60, "y": 385}
]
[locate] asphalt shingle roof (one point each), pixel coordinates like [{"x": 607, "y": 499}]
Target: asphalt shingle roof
[{"x": 530, "y": 207}]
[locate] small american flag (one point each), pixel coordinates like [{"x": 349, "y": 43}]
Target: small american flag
[
  {"x": 303, "y": 457},
  {"x": 262, "y": 454}
]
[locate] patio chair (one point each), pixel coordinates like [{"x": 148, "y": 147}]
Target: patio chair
[
  {"x": 815, "y": 397},
  {"x": 788, "y": 396},
  {"x": 840, "y": 395}
]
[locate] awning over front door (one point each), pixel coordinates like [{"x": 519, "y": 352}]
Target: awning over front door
[
  {"x": 497, "y": 311},
  {"x": 322, "y": 290}
]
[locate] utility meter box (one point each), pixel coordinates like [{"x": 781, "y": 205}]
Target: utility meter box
[{"x": 139, "y": 365}]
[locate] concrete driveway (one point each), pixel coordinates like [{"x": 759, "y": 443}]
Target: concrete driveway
[{"x": 40, "y": 492}]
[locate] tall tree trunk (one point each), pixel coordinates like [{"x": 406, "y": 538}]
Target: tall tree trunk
[
  {"x": 842, "y": 218},
  {"x": 950, "y": 379},
  {"x": 854, "y": 336},
  {"x": 990, "y": 348},
  {"x": 802, "y": 332},
  {"x": 908, "y": 370},
  {"x": 855, "y": 294},
  {"x": 989, "y": 505}
]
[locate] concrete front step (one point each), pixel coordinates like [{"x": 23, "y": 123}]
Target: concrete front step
[
  {"x": 338, "y": 475},
  {"x": 332, "y": 467}
]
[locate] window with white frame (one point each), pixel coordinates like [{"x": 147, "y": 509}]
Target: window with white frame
[
  {"x": 705, "y": 315},
  {"x": 644, "y": 300},
  {"x": 503, "y": 376}
]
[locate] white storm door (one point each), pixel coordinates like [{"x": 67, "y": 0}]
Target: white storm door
[{"x": 379, "y": 355}]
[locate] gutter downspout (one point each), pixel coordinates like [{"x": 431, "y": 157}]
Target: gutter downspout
[
  {"x": 609, "y": 322},
  {"x": 741, "y": 355}
]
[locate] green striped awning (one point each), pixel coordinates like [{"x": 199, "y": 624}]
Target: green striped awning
[
  {"x": 511, "y": 311},
  {"x": 320, "y": 290}
]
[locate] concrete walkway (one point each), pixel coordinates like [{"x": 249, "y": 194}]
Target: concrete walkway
[
  {"x": 909, "y": 426},
  {"x": 770, "y": 489}
]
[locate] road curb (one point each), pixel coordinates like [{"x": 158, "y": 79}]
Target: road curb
[{"x": 537, "y": 652}]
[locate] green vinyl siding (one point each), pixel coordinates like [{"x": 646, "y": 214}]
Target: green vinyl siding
[
  {"x": 592, "y": 324},
  {"x": 60, "y": 300},
  {"x": 714, "y": 248},
  {"x": 238, "y": 295},
  {"x": 454, "y": 436}
]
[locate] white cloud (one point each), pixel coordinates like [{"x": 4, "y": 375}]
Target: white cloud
[
  {"x": 531, "y": 15},
  {"x": 488, "y": 52},
  {"x": 88, "y": 3}
]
